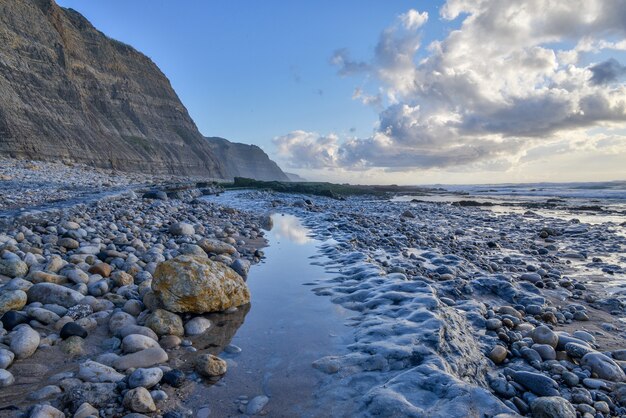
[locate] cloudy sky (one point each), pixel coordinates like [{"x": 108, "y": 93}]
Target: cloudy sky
[{"x": 409, "y": 92}]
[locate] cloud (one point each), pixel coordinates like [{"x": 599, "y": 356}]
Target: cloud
[
  {"x": 607, "y": 71},
  {"x": 506, "y": 80}
]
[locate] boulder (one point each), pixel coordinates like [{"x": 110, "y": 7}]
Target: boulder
[{"x": 198, "y": 285}]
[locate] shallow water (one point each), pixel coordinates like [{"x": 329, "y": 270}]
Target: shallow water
[{"x": 287, "y": 328}]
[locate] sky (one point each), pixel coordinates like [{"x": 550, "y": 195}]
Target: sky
[{"x": 397, "y": 91}]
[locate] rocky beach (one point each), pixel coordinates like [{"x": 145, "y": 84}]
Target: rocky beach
[{"x": 128, "y": 303}]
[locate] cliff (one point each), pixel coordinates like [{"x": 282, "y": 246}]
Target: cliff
[
  {"x": 68, "y": 92},
  {"x": 243, "y": 160}
]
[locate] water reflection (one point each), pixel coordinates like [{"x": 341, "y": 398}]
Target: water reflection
[{"x": 290, "y": 228}]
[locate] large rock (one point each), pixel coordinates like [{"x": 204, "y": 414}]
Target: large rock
[
  {"x": 50, "y": 293},
  {"x": 13, "y": 267},
  {"x": 197, "y": 285},
  {"x": 12, "y": 300},
  {"x": 603, "y": 367}
]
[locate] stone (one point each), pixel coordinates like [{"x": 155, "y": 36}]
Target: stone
[
  {"x": 498, "y": 354},
  {"x": 73, "y": 329},
  {"x": 552, "y": 407},
  {"x": 45, "y": 392},
  {"x": 135, "y": 329},
  {"x": 256, "y": 404},
  {"x": 241, "y": 267},
  {"x": 509, "y": 310},
  {"x": 12, "y": 319},
  {"x": 182, "y": 228},
  {"x": 196, "y": 285},
  {"x": 546, "y": 351},
  {"x": 85, "y": 411},
  {"x": 44, "y": 316},
  {"x": 120, "y": 320},
  {"x": 13, "y": 268},
  {"x": 209, "y": 365},
  {"x": 170, "y": 342},
  {"x": 530, "y": 277},
  {"x": 103, "y": 269},
  {"x": 121, "y": 278},
  {"x": 137, "y": 342},
  {"x": 537, "y": 383},
  {"x": 215, "y": 246},
  {"x": 139, "y": 400},
  {"x": 99, "y": 395},
  {"x": 544, "y": 335},
  {"x": 197, "y": 326},
  {"x": 6, "y": 378},
  {"x": 91, "y": 371},
  {"x": 175, "y": 378},
  {"x": 577, "y": 350},
  {"x": 146, "y": 378},
  {"x": 73, "y": 346},
  {"x": 12, "y": 300},
  {"x": 24, "y": 341},
  {"x": 68, "y": 243},
  {"x": 144, "y": 358},
  {"x": 45, "y": 411},
  {"x": 163, "y": 322},
  {"x": 570, "y": 379},
  {"x": 53, "y": 294},
  {"x": 6, "y": 358},
  {"x": 603, "y": 367}
]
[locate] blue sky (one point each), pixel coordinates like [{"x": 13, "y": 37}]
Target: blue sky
[
  {"x": 252, "y": 70},
  {"x": 397, "y": 91}
]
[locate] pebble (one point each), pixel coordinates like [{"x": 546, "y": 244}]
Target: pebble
[
  {"x": 552, "y": 407},
  {"x": 256, "y": 405},
  {"x": 175, "y": 378},
  {"x": 24, "y": 341},
  {"x": 6, "y": 378},
  {"x": 139, "y": 400},
  {"x": 209, "y": 365},
  {"x": 196, "y": 326},
  {"x": 146, "y": 378}
]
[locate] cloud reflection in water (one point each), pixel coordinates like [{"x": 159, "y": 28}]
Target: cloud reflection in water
[{"x": 290, "y": 228}]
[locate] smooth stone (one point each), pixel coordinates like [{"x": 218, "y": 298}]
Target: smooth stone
[
  {"x": 546, "y": 351},
  {"x": 498, "y": 354},
  {"x": 197, "y": 326},
  {"x": 146, "y": 378},
  {"x": 565, "y": 338},
  {"x": 530, "y": 277},
  {"x": 136, "y": 329},
  {"x": 137, "y": 342},
  {"x": 256, "y": 404},
  {"x": 139, "y": 400},
  {"x": 120, "y": 320},
  {"x": 537, "y": 383},
  {"x": 45, "y": 392},
  {"x": 91, "y": 371},
  {"x": 182, "y": 228},
  {"x": 12, "y": 319},
  {"x": 544, "y": 335},
  {"x": 241, "y": 266},
  {"x": 45, "y": 411},
  {"x": 175, "y": 378},
  {"x": 577, "y": 350},
  {"x": 72, "y": 329},
  {"x": 73, "y": 346},
  {"x": 24, "y": 341},
  {"x": 552, "y": 407},
  {"x": 163, "y": 322},
  {"x": 6, "y": 378},
  {"x": 159, "y": 395},
  {"x": 216, "y": 246},
  {"x": 6, "y": 358},
  {"x": 13, "y": 268},
  {"x": 144, "y": 358},
  {"x": 53, "y": 294},
  {"x": 103, "y": 269},
  {"x": 12, "y": 300},
  {"x": 493, "y": 324},
  {"x": 209, "y": 365},
  {"x": 169, "y": 342},
  {"x": 85, "y": 411},
  {"x": 603, "y": 367}
]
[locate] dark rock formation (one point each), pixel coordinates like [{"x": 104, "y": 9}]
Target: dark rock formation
[
  {"x": 67, "y": 92},
  {"x": 243, "y": 160}
]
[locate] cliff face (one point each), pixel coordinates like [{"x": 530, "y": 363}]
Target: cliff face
[
  {"x": 243, "y": 160},
  {"x": 67, "y": 92}
]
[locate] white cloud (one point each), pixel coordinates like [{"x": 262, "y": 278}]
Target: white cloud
[{"x": 508, "y": 80}]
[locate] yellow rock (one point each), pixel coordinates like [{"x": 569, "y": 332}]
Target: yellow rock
[{"x": 193, "y": 284}]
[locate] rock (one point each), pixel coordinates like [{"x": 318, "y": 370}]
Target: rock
[
  {"x": 256, "y": 404},
  {"x": 73, "y": 346},
  {"x": 99, "y": 395},
  {"x": 182, "y": 228},
  {"x": 45, "y": 392},
  {"x": 577, "y": 350},
  {"x": 6, "y": 378},
  {"x": 45, "y": 411},
  {"x": 44, "y": 316},
  {"x": 139, "y": 400},
  {"x": 53, "y": 294},
  {"x": 493, "y": 324},
  {"x": 155, "y": 194},
  {"x": 603, "y": 367},
  {"x": 146, "y": 378},
  {"x": 103, "y": 269},
  {"x": 197, "y": 326},
  {"x": 546, "y": 351},
  {"x": 72, "y": 329},
  {"x": 13, "y": 268},
  {"x": 214, "y": 246},
  {"x": 119, "y": 321},
  {"x": 209, "y": 365},
  {"x": 241, "y": 267},
  {"x": 137, "y": 342},
  {"x": 169, "y": 342},
  {"x": 68, "y": 243},
  {"x": 85, "y": 411},
  {"x": 552, "y": 407},
  {"x": 12, "y": 300},
  {"x": 509, "y": 310},
  {"x": 530, "y": 277},
  {"x": 498, "y": 354},
  {"x": 564, "y": 338},
  {"x": 6, "y": 358},
  {"x": 175, "y": 378},
  {"x": 144, "y": 358},
  {"x": 570, "y": 379},
  {"x": 91, "y": 371},
  {"x": 537, "y": 383},
  {"x": 163, "y": 322},
  {"x": 24, "y": 341},
  {"x": 12, "y": 319},
  {"x": 544, "y": 335},
  {"x": 196, "y": 285}
]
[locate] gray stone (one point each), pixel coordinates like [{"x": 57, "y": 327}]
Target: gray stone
[
  {"x": 12, "y": 300},
  {"x": 577, "y": 350},
  {"x": 45, "y": 411},
  {"x": 603, "y": 367},
  {"x": 146, "y": 378},
  {"x": 182, "y": 228},
  {"x": 91, "y": 371},
  {"x": 256, "y": 404},
  {"x": 137, "y": 342},
  {"x": 6, "y": 358},
  {"x": 163, "y": 322},
  {"x": 139, "y": 400},
  {"x": 53, "y": 294},
  {"x": 144, "y": 358},
  {"x": 544, "y": 335},
  {"x": 13, "y": 268},
  {"x": 552, "y": 407},
  {"x": 197, "y": 326},
  {"x": 24, "y": 341},
  {"x": 537, "y": 383},
  {"x": 6, "y": 378}
]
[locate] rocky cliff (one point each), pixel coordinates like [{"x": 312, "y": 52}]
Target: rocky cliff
[
  {"x": 243, "y": 160},
  {"x": 67, "y": 92}
]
